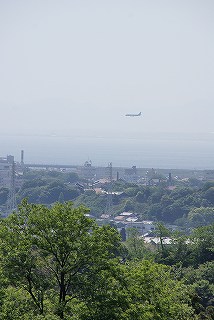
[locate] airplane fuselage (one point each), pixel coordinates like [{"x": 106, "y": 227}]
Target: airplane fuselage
[{"x": 133, "y": 114}]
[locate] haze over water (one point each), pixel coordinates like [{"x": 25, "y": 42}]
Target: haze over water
[
  {"x": 175, "y": 151},
  {"x": 71, "y": 70}
]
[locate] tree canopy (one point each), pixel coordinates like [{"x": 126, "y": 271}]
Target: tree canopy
[
  {"x": 57, "y": 248},
  {"x": 56, "y": 263}
]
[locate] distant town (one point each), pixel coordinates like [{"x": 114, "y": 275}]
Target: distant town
[{"x": 101, "y": 181}]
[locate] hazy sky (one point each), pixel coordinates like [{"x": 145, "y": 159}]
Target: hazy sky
[{"x": 75, "y": 67}]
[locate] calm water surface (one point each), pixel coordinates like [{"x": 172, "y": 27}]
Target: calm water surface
[{"x": 184, "y": 151}]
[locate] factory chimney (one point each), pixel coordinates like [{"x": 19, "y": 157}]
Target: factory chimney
[{"x": 22, "y": 157}]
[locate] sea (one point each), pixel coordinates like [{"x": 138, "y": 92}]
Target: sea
[{"x": 147, "y": 150}]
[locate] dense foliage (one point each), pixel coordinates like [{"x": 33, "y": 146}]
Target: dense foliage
[
  {"x": 186, "y": 204},
  {"x": 48, "y": 187},
  {"x": 56, "y": 263}
]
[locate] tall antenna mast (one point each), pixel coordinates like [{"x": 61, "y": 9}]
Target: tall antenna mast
[
  {"x": 11, "y": 200},
  {"x": 109, "y": 204}
]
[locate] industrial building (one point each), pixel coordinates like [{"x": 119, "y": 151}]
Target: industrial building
[{"x": 5, "y": 171}]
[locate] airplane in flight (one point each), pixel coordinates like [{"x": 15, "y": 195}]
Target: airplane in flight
[{"x": 133, "y": 114}]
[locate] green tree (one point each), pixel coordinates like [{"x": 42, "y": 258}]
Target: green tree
[
  {"x": 161, "y": 231},
  {"x": 202, "y": 244},
  {"x": 95, "y": 202},
  {"x": 201, "y": 280},
  {"x": 155, "y": 295},
  {"x": 140, "y": 197},
  {"x": 179, "y": 251},
  {"x": 136, "y": 246},
  {"x": 71, "y": 177},
  {"x": 129, "y": 205},
  {"x": 201, "y": 216},
  {"x": 131, "y": 191},
  {"x": 61, "y": 197},
  {"x": 55, "y": 253},
  {"x": 209, "y": 195}
]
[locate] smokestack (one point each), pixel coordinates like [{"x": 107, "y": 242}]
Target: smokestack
[
  {"x": 22, "y": 157},
  {"x": 170, "y": 179}
]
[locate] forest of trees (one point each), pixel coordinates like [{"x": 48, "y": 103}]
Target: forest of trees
[
  {"x": 187, "y": 205},
  {"x": 56, "y": 263}
]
